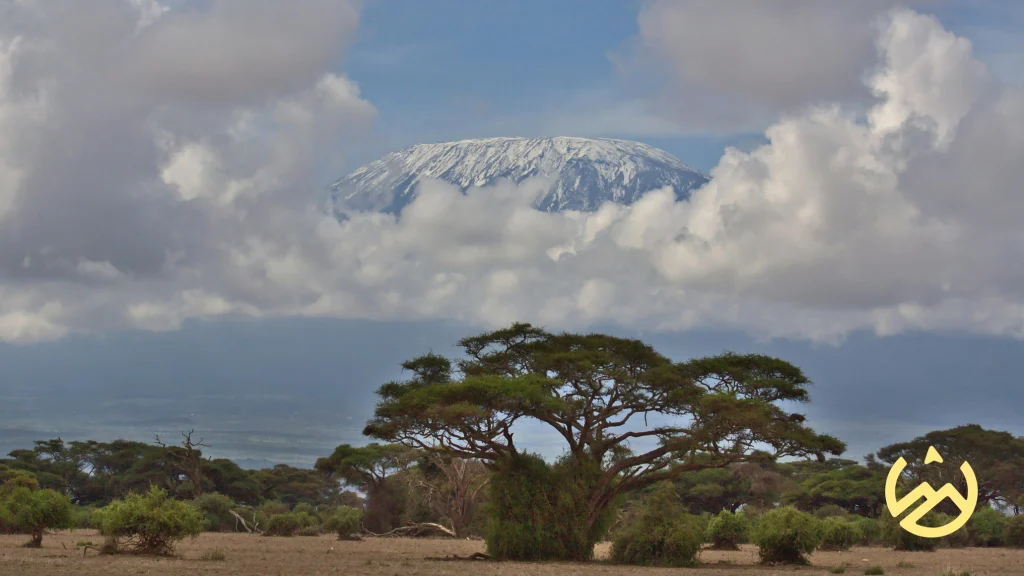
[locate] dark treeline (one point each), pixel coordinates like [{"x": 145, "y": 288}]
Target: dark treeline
[{"x": 400, "y": 485}]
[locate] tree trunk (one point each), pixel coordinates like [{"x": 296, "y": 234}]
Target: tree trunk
[{"x": 37, "y": 540}]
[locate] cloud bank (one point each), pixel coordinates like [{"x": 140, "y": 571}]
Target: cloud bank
[{"x": 141, "y": 195}]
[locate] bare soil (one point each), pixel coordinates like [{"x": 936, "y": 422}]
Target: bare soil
[{"x": 305, "y": 555}]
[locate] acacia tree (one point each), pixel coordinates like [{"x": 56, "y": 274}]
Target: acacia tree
[
  {"x": 369, "y": 468},
  {"x": 597, "y": 393},
  {"x": 997, "y": 459}
]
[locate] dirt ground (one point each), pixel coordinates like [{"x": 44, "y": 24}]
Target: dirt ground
[{"x": 256, "y": 555}]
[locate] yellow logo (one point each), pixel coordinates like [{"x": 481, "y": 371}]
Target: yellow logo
[{"x": 932, "y": 498}]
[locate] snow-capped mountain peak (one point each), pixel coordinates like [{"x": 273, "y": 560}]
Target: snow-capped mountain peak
[{"x": 585, "y": 172}]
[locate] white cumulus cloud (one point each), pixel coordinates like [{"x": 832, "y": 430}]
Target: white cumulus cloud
[{"x": 129, "y": 210}]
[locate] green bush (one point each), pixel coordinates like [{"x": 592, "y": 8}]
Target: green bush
[
  {"x": 538, "y": 511},
  {"x": 1015, "y": 531},
  {"x": 830, "y": 511},
  {"x": 704, "y": 520},
  {"x": 33, "y": 512},
  {"x": 727, "y": 530},
  {"x": 148, "y": 524},
  {"x": 346, "y": 522},
  {"x": 838, "y": 534},
  {"x": 216, "y": 510},
  {"x": 661, "y": 534},
  {"x": 286, "y": 524},
  {"x": 894, "y": 535},
  {"x": 959, "y": 539},
  {"x": 987, "y": 527},
  {"x": 305, "y": 520},
  {"x": 313, "y": 530},
  {"x": 870, "y": 530},
  {"x": 81, "y": 518},
  {"x": 786, "y": 535},
  {"x": 307, "y": 509}
]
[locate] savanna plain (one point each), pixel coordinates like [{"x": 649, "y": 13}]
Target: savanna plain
[{"x": 244, "y": 554}]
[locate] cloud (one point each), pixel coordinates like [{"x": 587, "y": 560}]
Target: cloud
[
  {"x": 127, "y": 210},
  {"x": 735, "y": 64}
]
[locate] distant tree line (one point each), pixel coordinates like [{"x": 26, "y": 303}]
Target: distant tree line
[{"x": 726, "y": 464}]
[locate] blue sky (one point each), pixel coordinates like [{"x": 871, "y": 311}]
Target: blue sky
[
  {"x": 449, "y": 70},
  {"x": 171, "y": 275}
]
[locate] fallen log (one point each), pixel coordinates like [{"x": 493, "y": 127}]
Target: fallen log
[
  {"x": 245, "y": 525},
  {"x": 417, "y": 530}
]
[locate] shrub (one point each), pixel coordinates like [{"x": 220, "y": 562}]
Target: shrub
[
  {"x": 305, "y": 520},
  {"x": 286, "y": 524},
  {"x": 305, "y": 508},
  {"x": 35, "y": 511},
  {"x": 537, "y": 511},
  {"x": 870, "y": 530},
  {"x": 838, "y": 534},
  {"x": 894, "y": 535},
  {"x": 727, "y": 530},
  {"x": 346, "y": 522},
  {"x": 829, "y": 511},
  {"x": 786, "y": 535},
  {"x": 313, "y": 530},
  {"x": 959, "y": 539},
  {"x": 148, "y": 524},
  {"x": 81, "y": 517},
  {"x": 1015, "y": 531},
  {"x": 987, "y": 527},
  {"x": 874, "y": 571},
  {"x": 216, "y": 510},
  {"x": 662, "y": 534}
]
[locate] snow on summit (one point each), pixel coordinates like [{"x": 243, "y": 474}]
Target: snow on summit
[{"x": 586, "y": 172}]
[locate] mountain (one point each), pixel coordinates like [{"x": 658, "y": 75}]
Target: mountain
[{"x": 586, "y": 172}]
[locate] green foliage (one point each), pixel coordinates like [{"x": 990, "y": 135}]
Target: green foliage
[
  {"x": 311, "y": 530},
  {"x": 662, "y": 533},
  {"x": 305, "y": 508},
  {"x": 894, "y": 535},
  {"x": 841, "y": 569},
  {"x": 286, "y": 524},
  {"x": 1015, "y": 531},
  {"x": 874, "y": 571},
  {"x": 987, "y": 527},
  {"x": 870, "y": 530},
  {"x": 786, "y": 535},
  {"x": 539, "y": 512},
  {"x": 713, "y": 490},
  {"x": 834, "y": 487},
  {"x": 961, "y": 538},
  {"x": 830, "y": 511},
  {"x": 82, "y": 518},
  {"x": 838, "y": 534},
  {"x": 216, "y": 510},
  {"x": 997, "y": 457},
  {"x": 149, "y": 524},
  {"x": 35, "y": 511},
  {"x": 346, "y": 522},
  {"x": 727, "y": 530}
]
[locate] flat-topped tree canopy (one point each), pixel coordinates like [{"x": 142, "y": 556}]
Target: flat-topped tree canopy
[{"x": 594, "y": 390}]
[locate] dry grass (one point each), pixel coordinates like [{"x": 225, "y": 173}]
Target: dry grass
[{"x": 254, "y": 555}]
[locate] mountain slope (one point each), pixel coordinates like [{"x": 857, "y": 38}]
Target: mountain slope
[{"x": 586, "y": 172}]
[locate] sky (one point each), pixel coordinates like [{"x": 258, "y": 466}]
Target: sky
[{"x": 165, "y": 261}]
